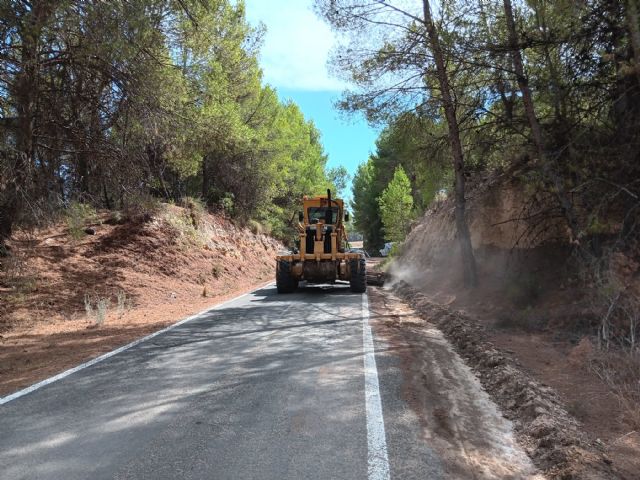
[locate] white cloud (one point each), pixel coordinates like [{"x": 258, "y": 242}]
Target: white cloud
[{"x": 296, "y": 45}]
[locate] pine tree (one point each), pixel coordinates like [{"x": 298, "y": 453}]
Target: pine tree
[{"x": 396, "y": 206}]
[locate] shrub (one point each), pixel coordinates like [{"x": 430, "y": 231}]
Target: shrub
[
  {"x": 96, "y": 311},
  {"x": 123, "y": 302},
  {"x": 196, "y": 208},
  {"x": 255, "y": 227},
  {"x": 116, "y": 218},
  {"x": 227, "y": 203},
  {"x": 523, "y": 289},
  {"x": 141, "y": 207},
  {"x": 527, "y": 320},
  {"x": 78, "y": 217},
  {"x": 621, "y": 372},
  {"x": 217, "y": 270},
  {"x": 88, "y": 307},
  {"x": 182, "y": 224},
  {"x": 102, "y": 305}
]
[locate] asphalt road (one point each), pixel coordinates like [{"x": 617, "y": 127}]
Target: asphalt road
[{"x": 266, "y": 387}]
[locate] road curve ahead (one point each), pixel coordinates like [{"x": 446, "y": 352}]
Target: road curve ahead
[{"x": 266, "y": 387}]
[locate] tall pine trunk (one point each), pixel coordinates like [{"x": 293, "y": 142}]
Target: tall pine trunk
[
  {"x": 464, "y": 237},
  {"x": 550, "y": 173},
  {"x": 633, "y": 21},
  {"x": 25, "y": 91}
]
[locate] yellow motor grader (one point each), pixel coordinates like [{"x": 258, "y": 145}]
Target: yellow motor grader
[{"x": 321, "y": 256}]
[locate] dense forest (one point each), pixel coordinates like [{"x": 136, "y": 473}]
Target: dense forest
[
  {"x": 473, "y": 86},
  {"x": 123, "y": 103}
]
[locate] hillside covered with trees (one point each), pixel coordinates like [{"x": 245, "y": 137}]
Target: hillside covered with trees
[
  {"x": 491, "y": 85},
  {"x": 121, "y": 103}
]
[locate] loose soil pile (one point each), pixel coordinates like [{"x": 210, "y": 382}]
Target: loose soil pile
[
  {"x": 552, "y": 437},
  {"x": 149, "y": 274}
]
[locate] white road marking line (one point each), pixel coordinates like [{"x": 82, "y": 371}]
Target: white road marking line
[
  {"x": 82, "y": 366},
  {"x": 378, "y": 458}
]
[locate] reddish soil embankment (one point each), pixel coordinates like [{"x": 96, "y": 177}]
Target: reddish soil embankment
[
  {"x": 150, "y": 274},
  {"x": 537, "y": 305}
]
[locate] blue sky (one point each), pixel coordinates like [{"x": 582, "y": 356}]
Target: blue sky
[{"x": 294, "y": 57}]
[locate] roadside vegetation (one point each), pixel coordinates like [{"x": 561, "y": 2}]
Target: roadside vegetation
[
  {"x": 551, "y": 86},
  {"x": 118, "y": 105},
  {"x": 545, "y": 94},
  {"x": 67, "y": 297},
  {"x": 517, "y": 124}
]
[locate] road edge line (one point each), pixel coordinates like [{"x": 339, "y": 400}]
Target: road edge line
[
  {"x": 377, "y": 456},
  {"x": 105, "y": 356}
]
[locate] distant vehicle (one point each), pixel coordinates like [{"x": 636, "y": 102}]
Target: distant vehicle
[
  {"x": 387, "y": 249},
  {"x": 361, "y": 251}
]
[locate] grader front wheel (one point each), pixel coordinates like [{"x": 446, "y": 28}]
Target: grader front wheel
[
  {"x": 358, "y": 280},
  {"x": 285, "y": 282}
]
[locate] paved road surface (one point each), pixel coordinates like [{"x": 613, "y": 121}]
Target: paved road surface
[{"x": 267, "y": 387}]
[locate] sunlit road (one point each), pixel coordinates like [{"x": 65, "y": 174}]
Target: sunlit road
[{"x": 266, "y": 386}]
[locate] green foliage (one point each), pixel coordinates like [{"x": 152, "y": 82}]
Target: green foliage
[
  {"x": 339, "y": 178},
  {"x": 576, "y": 138},
  {"x": 417, "y": 145},
  {"x": 396, "y": 207},
  {"x": 150, "y": 100},
  {"x": 78, "y": 217},
  {"x": 141, "y": 206}
]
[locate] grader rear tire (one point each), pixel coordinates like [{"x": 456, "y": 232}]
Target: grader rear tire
[
  {"x": 358, "y": 280},
  {"x": 285, "y": 283}
]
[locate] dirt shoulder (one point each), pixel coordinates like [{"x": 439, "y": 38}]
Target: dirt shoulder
[
  {"x": 554, "y": 439},
  {"x": 149, "y": 275},
  {"x": 457, "y": 419}
]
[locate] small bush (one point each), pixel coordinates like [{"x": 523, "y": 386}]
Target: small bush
[
  {"x": 217, "y": 270},
  {"x": 196, "y": 208},
  {"x": 88, "y": 307},
  {"x": 78, "y": 217},
  {"x": 123, "y": 302},
  {"x": 621, "y": 372},
  {"x": 96, "y": 311},
  {"x": 14, "y": 268},
  {"x": 255, "y": 227},
  {"x": 227, "y": 203},
  {"x": 116, "y": 218},
  {"x": 102, "y": 306},
  {"x": 526, "y": 320},
  {"x": 141, "y": 207},
  {"x": 183, "y": 226}
]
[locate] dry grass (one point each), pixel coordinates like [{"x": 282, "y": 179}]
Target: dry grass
[{"x": 621, "y": 372}]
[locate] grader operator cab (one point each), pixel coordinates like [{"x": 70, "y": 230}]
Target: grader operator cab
[{"x": 321, "y": 256}]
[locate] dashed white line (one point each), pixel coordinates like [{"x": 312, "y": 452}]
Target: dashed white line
[
  {"x": 66, "y": 373},
  {"x": 378, "y": 459}
]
